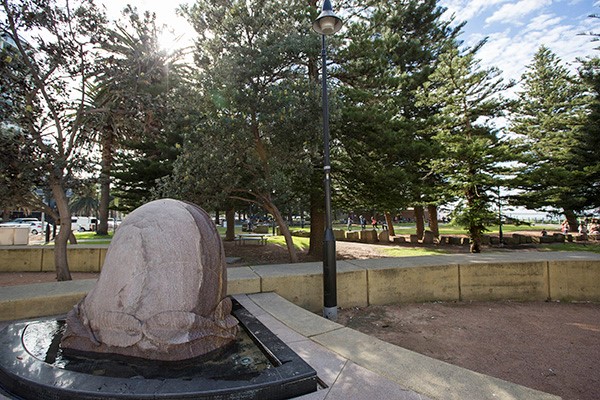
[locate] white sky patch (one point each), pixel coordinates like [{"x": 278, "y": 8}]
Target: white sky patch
[
  {"x": 512, "y": 12},
  {"x": 467, "y": 9},
  {"x": 178, "y": 32},
  {"x": 543, "y": 22}
]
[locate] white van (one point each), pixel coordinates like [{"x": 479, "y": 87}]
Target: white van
[{"x": 82, "y": 224}]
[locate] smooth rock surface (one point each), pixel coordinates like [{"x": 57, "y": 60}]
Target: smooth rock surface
[{"x": 161, "y": 293}]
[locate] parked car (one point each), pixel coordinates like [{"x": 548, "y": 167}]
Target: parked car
[
  {"x": 34, "y": 224},
  {"x": 82, "y": 224}
]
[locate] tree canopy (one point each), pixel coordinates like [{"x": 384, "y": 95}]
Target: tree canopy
[{"x": 414, "y": 115}]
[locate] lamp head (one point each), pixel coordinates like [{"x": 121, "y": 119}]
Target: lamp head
[{"x": 327, "y": 23}]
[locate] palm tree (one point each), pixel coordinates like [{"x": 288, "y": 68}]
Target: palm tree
[{"x": 133, "y": 76}]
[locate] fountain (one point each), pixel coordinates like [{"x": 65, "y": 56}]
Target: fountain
[{"x": 157, "y": 324}]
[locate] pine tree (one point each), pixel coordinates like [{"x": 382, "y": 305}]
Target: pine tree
[
  {"x": 394, "y": 46},
  {"x": 129, "y": 104},
  {"x": 468, "y": 98},
  {"x": 260, "y": 117},
  {"x": 547, "y": 122},
  {"x": 588, "y": 148}
]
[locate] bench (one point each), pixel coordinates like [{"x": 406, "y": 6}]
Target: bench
[{"x": 257, "y": 238}]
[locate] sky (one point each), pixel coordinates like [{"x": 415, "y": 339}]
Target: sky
[{"x": 515, "y": 28}]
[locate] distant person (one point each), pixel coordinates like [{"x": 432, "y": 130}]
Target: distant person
[
  {"x": 363, "y": 222},
  {"x": 565, "y": 227},
  {"x": 544, "y": 232},
  {"x": 583, "y": 229},
  {"x": 349, "y": 223},
  {"x": 373, "y": 222}
]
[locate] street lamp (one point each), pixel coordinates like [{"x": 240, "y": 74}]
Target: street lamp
[{"x": 327, "y": 23}]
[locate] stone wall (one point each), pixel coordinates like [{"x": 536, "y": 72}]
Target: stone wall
[{"x": 529, "y": 276}]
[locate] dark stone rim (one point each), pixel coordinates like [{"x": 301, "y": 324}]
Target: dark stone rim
[{"x": 23, "y": 376}]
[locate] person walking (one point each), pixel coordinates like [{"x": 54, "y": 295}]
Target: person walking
[
  {"x": 374, "y": 222},
  {"x": 565, "y": 227}
]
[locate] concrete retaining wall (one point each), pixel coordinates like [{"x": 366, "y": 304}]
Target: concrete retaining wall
[
  {"x": 567, "y": 276},
  {"x": 41, "y": 258}
]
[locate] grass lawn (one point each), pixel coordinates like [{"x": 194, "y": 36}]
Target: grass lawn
[
  {"x": 594, "y": 248},
  {"x": 414, "y": 251},
  {"x": 302, "y": 243},
  {"x": 93, "y": 238}
]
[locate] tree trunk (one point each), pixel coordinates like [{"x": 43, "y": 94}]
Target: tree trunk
[
  {"x": 390, "y": 224},
  {"x": 105, "y": 171},
  {"x": 217, "y": 217},
  {"x": 433, "y": 220},
  {"x": 475, "y": 227},
  {"x": 60, "y": 241},
  {"x": 572, "y": 220},
  {"x": 420, "y": 220},
  {"x": 475, "y": 233},
  {"x": 230, "y": 218},
  {"x": 285, "y": 231},
  {"x": 475, "y": 246}
]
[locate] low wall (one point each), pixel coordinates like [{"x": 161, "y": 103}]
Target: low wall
[
  {"x": 41, "y": 258},
  {"x": 531, "y": 276}
]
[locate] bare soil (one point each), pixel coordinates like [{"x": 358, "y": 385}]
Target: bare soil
[
  {"x": 549, "y": 346},
  {"x": 553, "y": 347}
]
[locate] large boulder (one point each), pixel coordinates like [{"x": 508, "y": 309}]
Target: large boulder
[{"x": 162, "y": 291}]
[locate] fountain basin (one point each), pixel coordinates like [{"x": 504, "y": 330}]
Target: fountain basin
[{"x": 33, "y": 368}]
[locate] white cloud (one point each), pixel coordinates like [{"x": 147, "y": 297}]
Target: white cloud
[
  {"x": 512, "y": 51},
  {"x": 510, "y": 13},
  {"x": 467, "y": 9},
  {"x": 543, "y": 22}
]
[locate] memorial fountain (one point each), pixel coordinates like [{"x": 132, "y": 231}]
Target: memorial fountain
[{"x": 157, "y": 324}]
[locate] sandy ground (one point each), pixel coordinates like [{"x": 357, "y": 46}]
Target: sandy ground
[{"x": 553, "y": 347}]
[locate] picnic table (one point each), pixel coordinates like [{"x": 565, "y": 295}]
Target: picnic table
[{"x": 244, "y": 238}]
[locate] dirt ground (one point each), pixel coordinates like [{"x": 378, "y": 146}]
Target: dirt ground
[
  {"x": 549, "y": 346},
  {"x": 553, "y": 347}
]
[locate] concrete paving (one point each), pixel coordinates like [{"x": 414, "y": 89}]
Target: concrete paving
[{"x": 353, "y": 365}]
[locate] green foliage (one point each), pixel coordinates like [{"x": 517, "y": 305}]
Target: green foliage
[
  {"x": 587, "y": 148},
  {"x": 258, "y": 106},
  {"x": 138, "y": 111},
  {"x": 393, "y": 48},
  {"x": 467, "y": 98},
  {"x": 19, "y": 171},
  {"x": 547, "y": 122}
]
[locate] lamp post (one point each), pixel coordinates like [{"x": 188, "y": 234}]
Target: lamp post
[
  {"x": 327, "y": 23},
  {"x": 500, "y": 236}
]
